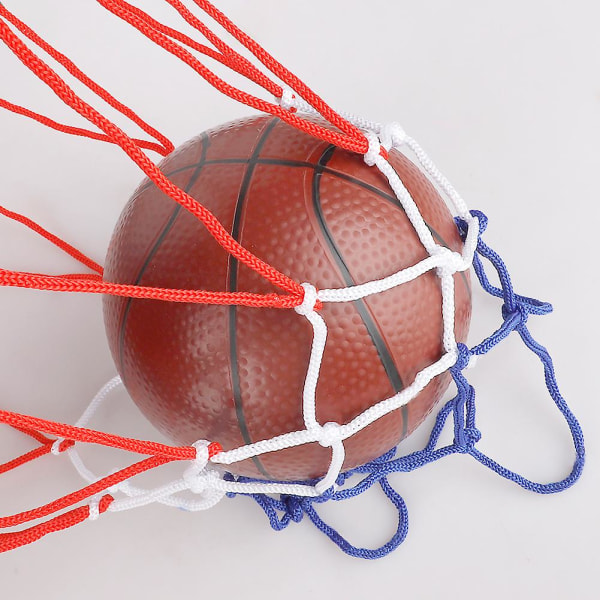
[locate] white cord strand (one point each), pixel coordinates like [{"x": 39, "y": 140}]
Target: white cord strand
[{"x": 309, "y": 394}]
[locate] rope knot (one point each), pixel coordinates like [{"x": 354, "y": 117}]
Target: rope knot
[
  {"x": 294, "y": 507},
  {"x": 288, "y": 100},
  {"x": 94, "y": 508},
  {"x": 309, "y": 302},
  {"x": 452, "y": 261},
  {"x": 470, "y": 436},
  {"x": 518, "y": 314},
  {"x": 195, "y": 475},
  {"x": 473, "y": 435},
  {"x": 61, "y": 445},
  {"x": 392, "y": 135},
  {"x": 329, "y": 434},
  {"x": 463, "y": 358},
  {"x": 374, "y": 150}
]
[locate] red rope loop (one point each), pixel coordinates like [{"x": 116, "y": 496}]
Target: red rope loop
[
  {"x": 343, "y": 134},
  {"x": 159, "y": 454}
]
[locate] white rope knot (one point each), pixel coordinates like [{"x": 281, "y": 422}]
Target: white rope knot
[
  {"x": 310, "y": 300},
  {"x": 288, "y": 99},
  {"x": 195, "y": 474},
  {"x": 201, "y": 482},
  {"x": 94, "y": 507},
  {"x": 392, "y": 135},
  {"x": 452, "y": 261},
  {"x": 329, "y": 434},
  {"x": 55, "y": 448},
  {"x": 374, "y": 148}
]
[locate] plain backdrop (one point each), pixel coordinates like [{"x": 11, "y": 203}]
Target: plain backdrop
[{"x": 506, "y": 99}]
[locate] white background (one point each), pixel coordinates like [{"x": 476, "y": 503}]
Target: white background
[{"x": 506, "y": 98}]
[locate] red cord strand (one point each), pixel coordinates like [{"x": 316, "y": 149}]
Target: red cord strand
[
  {"x": 65, "y": 93},
  {"x": 36, "y": 435},
  {"x": 164, "y": 146},
  {"x": 93, "y": 284},
  {"x": 165, "y": 455},
  {"x": 24, "y": 458},
  {"x": 70, "y": 250},
  {"x": 16, "y": 539},
  {"x": 45, "y": 447},
  {"x": 91, "y": 436},
  {"x": 346, "y": 136},
  {"x": 76, "y": 131},
  {"x": 282, "y": 72},
  {"x": 225, "y": 55},
  {"x": 343, "y": 140},
  {"x": 84, "y": 493}
]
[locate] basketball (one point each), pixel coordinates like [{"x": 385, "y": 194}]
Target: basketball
[{"x": 235, "y": 374}]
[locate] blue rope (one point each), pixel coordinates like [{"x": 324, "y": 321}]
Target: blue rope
[{"x": 515, "y": 312}]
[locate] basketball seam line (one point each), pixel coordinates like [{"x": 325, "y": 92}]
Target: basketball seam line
[
  {"x": 232, "y": 286},
  {"x": 155, "y": 247},
  {"x": 368, "y": 320}
]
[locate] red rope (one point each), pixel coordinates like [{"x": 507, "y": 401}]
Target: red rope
[
  {"x": 164, "y": 145},
  {"x": 356, "y": 142},
  {"x": 70, "y": 250},
  {"x": 93, "y": 284},
  {"x": 24, "y": 458},
  {"x": 36, "y": 435},
  {"x": 16, "y": 539},
  {"x": 160, "y": 454},
  {"x": 219, "y": 233},
  {"x": 225, "y": 55},
  {"x": 77, "y": 131},
  {"x": 84, "y": 493},
  {"x": 91, "y": 436},
  {"x": 361, "y": 144},
  {"x": 346, "y": 136},
  {"x": 46, "y": 444}
]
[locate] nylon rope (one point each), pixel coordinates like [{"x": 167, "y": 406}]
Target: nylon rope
[{"x": 282, "y": 502}]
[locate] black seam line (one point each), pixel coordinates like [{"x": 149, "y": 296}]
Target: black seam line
[
  {"x": 437, "y": 236},
  {"x": 163, "y": 234},
  {"x": 232, "y": 287},
  {"x": 385, "y": 356}
]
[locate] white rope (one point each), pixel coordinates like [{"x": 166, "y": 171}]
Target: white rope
[{"x": 309, "y": 394}]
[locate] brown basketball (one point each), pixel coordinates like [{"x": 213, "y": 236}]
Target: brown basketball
[{"x": 235, "y": 374}]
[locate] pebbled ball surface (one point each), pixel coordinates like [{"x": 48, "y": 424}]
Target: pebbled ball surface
[{"x": 235, "y": 374}]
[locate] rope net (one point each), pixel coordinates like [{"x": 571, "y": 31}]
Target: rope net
[{"x": 205, "y": 474}]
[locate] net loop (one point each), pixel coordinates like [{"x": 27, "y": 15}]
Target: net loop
[
  {"x": 292, "y": 509},
  {"x": 461, "y": 408},
  {"x": 310, "y": 301}
]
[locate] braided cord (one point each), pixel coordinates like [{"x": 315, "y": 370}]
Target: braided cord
[{"x": 283, "y": 502}]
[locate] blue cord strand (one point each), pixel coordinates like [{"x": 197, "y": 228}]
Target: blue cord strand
[{"x": 515, "y": 312}]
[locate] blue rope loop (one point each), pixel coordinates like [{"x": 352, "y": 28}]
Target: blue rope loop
[{"x": 515, "y": 312}]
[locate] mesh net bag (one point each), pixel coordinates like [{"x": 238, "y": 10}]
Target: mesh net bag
[{"x": 287, "y": 297}]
